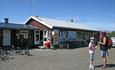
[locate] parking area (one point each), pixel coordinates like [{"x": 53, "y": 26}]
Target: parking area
[{"x": 60, "y": 59}]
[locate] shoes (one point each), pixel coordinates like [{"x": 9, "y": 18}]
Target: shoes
[
  {"x": 91, "y": 66},
  {"x": 104, "y": 66}
]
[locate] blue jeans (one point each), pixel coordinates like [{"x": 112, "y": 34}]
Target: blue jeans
[{"x": 104, "y": 53}]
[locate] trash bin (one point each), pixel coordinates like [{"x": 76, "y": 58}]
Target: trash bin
[{"x": 47, "y": 45}]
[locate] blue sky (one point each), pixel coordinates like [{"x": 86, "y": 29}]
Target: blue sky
[{"x": 97, "y": 13}]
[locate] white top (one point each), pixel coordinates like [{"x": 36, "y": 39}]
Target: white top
[{"x": 91, "y": 47}]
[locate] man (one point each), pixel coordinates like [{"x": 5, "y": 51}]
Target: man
[{"x": 103, "y": 48}]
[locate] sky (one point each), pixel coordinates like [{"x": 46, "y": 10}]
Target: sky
[{"x": 99, "y": 14}]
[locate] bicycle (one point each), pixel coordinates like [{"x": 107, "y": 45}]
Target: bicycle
[
  {"x": 26, "y": 51},
  {"x": 3, "y": 54}
]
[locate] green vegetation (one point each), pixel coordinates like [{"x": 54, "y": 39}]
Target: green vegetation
[{"x": 111, "y": 34}]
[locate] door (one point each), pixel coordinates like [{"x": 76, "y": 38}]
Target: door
[
  {"x": 45, "y": 35},
  {"x": 36, "y": 37},
  {"x": 6, "y": 37},
  {"x": 41, "y": 37}
]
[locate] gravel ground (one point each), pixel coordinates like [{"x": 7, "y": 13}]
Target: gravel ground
[{"x": 65, "y": 59}]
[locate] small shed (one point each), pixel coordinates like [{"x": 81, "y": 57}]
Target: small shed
[{"x": 16, "y": 34}]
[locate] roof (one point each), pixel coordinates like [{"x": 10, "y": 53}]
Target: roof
[
  {"x": 52, "y": 23},
  {"x": 16, "y": 26}
]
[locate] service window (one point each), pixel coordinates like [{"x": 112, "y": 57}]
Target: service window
[{"x": 24, "y": 33}]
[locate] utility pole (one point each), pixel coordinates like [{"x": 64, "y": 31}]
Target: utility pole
[{"x": 31, "y": 6}]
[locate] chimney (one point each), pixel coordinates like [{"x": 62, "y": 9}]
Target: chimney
[
  {"x": 71, "y": 20},
  {"x": 6, "y": 20}
]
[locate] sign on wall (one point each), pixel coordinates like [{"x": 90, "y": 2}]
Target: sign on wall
[{"x": 6, "y": 37}]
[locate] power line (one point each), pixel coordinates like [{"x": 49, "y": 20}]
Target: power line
[{"x": 30, "y": 4}]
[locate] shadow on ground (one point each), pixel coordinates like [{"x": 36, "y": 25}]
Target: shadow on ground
[{"x": 108, "y": 66}]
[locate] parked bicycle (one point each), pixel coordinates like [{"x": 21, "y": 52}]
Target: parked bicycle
[
  {"x": 26, "y": 51},
  {"x": 4, "y": 54}
]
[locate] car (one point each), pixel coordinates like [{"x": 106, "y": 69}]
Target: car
[{"x": 113, "y": 41}]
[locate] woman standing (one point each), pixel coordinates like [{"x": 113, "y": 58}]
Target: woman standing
[{"x": 103, "y": 48}]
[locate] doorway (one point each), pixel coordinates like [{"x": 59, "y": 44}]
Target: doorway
[
  {"x": 36, "y": 37},
  {"x": 41, "y": 37}
]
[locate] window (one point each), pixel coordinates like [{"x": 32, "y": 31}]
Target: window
[
  {"x": 79, "y": 36},
  {"x": 72, "y": 35},
  {"x": 0, "y": 33}
]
